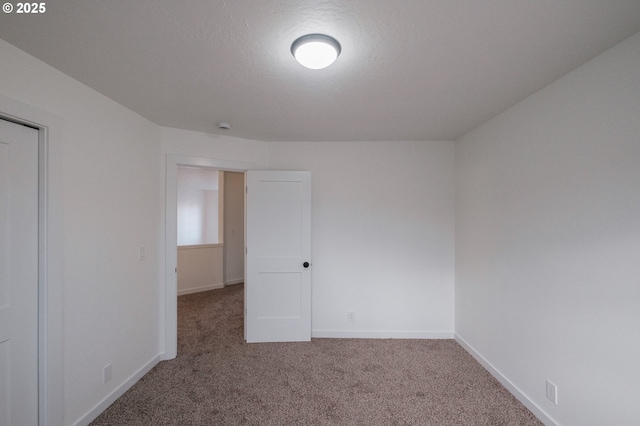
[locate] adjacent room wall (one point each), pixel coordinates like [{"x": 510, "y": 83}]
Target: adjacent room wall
[
  {"x": 548, "y": 242},
  {"x": 233, "y": 227},
  {"x": 382, "y": 235},
  {"x": 200, "y": 268},
  {"x": 199, "y": 206},
  {"x": 109, "y": 197},
  {"x": 191, "y": 215}
]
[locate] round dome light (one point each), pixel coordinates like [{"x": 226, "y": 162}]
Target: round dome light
[{"x": 316, "y": 51}]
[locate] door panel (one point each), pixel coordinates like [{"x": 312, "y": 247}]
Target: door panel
[
  {"x": 278, "y": 286},
  {"x": 279, "y": 295},
  {"x": 18, "y": 274},
  {"x": 279, "y": 238}
]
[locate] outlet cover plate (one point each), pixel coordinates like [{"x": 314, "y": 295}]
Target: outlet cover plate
[
  {"x": 552, "y": 392},
  {"x": 108, "y": 373}
]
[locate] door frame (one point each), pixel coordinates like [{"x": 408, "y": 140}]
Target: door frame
[
  {"x": 169, "y": 307},
  {"x": 50, "y": 361}
]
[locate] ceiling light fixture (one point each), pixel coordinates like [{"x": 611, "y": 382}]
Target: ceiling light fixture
[{"x": 315, "y": 51}]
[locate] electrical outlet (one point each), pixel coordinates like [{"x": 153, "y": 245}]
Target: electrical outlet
[
  {"x": 552, "y": 392},
  {"x": 107, "y": 373},
  {"x": 141, "y": 253},
  {"x": 351, "y": 316}
]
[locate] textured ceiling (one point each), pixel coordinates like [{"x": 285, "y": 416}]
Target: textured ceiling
[{"x": 409, "y": 70}]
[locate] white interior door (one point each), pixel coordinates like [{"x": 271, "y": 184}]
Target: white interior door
[
  {"x": 18, "y": 274},
  {"x": 278, "y": 278}
]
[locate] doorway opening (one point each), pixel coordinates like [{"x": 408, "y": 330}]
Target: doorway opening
[
  {"x": 173, "y": 163},
  {"x": 210, "y": 215},
  {"x": 277, "y": 296}
]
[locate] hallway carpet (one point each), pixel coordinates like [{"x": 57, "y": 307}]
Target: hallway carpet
[{"x": 217, "y": 379}]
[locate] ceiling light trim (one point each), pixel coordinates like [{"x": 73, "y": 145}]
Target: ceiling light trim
[{"x": 316, "y": 62}]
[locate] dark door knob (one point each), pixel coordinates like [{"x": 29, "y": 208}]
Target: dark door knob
[{"x": 305, "y": 264}]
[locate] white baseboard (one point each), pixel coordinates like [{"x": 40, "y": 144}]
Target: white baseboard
[
  {"x": 236, "y": 281},
  {"x": 199, "y": 289},
  {"x": 515, "y": 391},
  {"x": 368, "y": 334},
  {"x": 117, "y": 392}
]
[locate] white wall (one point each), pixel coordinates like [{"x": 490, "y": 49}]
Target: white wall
[
  {"x": 548, "y": 242},
  {"x": 382, "y": 235},
  {"x": 224, "y": 148},
  {"x": 198, "y": 177},
  {"x": 109, "y": 197}
]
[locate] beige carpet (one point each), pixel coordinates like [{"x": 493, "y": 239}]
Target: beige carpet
[{"x": 217, "y": 379}]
